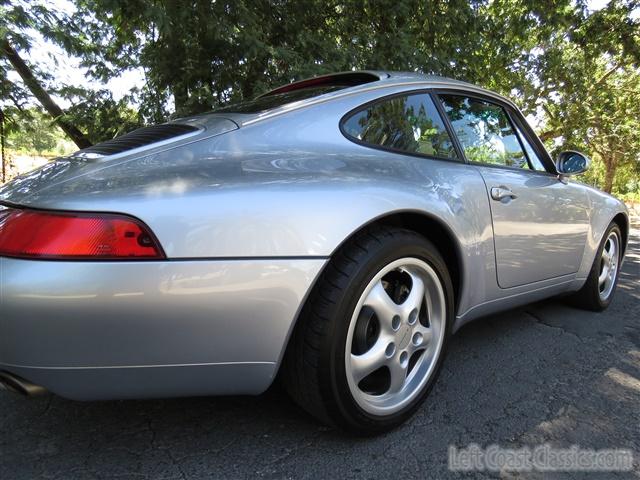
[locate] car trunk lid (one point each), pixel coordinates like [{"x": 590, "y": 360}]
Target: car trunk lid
[{"x": 125, "y": 162}]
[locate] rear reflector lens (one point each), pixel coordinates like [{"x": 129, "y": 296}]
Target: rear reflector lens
[{"x": 66, "y": 235}]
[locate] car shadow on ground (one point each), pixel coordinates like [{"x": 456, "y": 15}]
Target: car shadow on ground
[{"x": 544, "y": 373}]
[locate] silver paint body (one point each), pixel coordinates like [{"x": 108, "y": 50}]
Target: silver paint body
[{"x": 249, "y": 209}]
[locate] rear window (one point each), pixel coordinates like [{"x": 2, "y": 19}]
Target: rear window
[
  {"x": 301, "y": 90},
  {"x": 272, "y": 101}
]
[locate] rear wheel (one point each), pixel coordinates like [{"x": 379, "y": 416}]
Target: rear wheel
[
  {"x": 371, "y": 339},
  {"x": 598, "y": 290}
]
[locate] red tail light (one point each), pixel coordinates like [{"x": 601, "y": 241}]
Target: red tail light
[{"x": 67, "y": 235}]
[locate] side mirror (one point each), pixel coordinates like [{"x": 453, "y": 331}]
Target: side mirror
[{"x": 572, "y": 163}]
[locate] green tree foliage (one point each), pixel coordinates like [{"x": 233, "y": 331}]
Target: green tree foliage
[
  {"x": 97, "y": 114},
  {"x": 33, "y": 132},
  {"x": 556, "y": 59},
  {"x": 15, "y": 20},
  {"x": 202, "y": 53},
  {"x": 592, "y": 82},
  {"x": 205, "y": 53},
  {"x": 93, "y": 116}
]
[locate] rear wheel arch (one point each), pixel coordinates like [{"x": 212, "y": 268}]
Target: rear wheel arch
[
  {"x": 315, "y": 370},
  {"x": 433, "y": 229}
]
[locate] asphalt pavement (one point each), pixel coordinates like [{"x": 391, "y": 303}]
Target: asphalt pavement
[{"x": 546, "y": 373}]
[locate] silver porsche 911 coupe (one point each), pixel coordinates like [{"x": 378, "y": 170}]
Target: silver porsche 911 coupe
[{"x": 333, "y": 232}]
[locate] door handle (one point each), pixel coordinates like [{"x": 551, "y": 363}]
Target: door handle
[{"x": 498, "y": 193}]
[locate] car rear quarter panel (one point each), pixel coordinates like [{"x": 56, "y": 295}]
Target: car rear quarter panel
[
  {"x": 289, "y": 186},
  {"x": 247, "y": 220}
]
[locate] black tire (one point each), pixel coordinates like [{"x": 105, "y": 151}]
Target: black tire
[
  {"x": 313, "y": 370},
  {"x": 588, "y": 297}
]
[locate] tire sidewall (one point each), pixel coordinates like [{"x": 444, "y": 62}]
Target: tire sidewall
[
  {"x": 409, "y": 245},
  {"x": 595, "y": 272}
]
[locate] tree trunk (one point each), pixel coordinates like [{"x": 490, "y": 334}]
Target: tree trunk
[
  {"x": 611, "y": 165},
  {"x": 41, "y": 94},
  {"x": 180, "y": 97}
]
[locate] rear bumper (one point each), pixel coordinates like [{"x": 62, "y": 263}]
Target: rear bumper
[{"x": 98, "y": 330}]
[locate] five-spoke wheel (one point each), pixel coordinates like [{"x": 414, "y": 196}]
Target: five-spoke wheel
[
  {"x": 395, "y": 334},
  {"x": 371, "y": 339},
  {"x": 598, "y": 290},
  {"x": 609, "y": 265}
]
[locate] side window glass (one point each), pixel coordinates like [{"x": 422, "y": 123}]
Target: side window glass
[
  {"x": 410, "y": 123},
  {"x": 534, "y": 159},
  {"x": 485, "y": 131}
]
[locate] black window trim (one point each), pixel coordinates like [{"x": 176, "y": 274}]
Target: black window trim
[
  {"x": 517, "y": 130},
  {"x": 459, "y": 154},
  {"x": 514, "y": 117}
]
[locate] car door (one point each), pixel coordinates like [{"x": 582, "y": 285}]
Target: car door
[{"x": 540, "y": 223}]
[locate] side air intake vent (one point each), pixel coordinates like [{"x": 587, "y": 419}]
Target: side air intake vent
[{"x": 136, "y": 139}]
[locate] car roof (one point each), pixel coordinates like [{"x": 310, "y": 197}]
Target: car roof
[
  {"x": 378, "y": 78},
  {"x": 354, "y": 82}
]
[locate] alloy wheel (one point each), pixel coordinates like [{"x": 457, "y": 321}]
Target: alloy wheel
[
  {"x": 609, "y": 263},
  {"x": 395, "y": 336}
]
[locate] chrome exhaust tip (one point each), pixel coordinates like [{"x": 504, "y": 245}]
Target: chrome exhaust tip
[{"x": 15, "y": 384}]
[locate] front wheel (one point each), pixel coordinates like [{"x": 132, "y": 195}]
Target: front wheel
[
  {"x": 371, "y": 339},
  {"x": 598, "y": 290}
]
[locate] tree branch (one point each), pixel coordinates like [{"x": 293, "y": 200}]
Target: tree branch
[
  {"x": 41, "y": 94},
  {"x": 549, "y": 134},
  {"x": 606, "y": 75}
]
